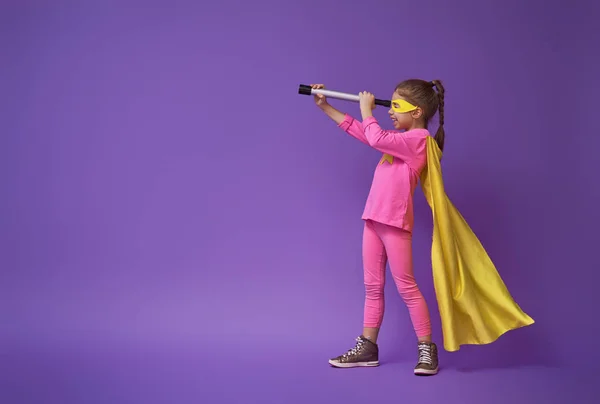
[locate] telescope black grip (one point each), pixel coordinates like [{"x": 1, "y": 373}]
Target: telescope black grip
[
  {"x": 304, "y": 89},
  {"x": 383, "y": 103}
]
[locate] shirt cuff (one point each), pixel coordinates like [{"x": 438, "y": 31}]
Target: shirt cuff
[
  {"x": 369, "y": 120},
  {"x": 345, "y": 124}
]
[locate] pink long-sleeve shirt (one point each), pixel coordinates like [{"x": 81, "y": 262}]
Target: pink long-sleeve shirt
[{"x": 390, "y": 199}]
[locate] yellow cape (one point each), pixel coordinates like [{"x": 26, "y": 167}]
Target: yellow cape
[{"x": 474, "y": 303}]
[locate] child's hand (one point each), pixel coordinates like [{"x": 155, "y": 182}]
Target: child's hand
[
  {"x": 367, "y": 101},
  {"x": 320, "y": 99}
]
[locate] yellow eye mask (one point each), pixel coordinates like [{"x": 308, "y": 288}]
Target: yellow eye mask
[{"x": 402, "y": 106}]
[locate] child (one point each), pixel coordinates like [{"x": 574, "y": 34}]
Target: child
[{"x": 410, "y": 153}]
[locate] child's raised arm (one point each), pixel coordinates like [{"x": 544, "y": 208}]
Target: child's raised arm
[
  {"x": 344, "y": 121},
  {"x": 409, "y": 146}
]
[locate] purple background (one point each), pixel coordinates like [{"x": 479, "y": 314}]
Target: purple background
[{"x": 178, "y": 225}]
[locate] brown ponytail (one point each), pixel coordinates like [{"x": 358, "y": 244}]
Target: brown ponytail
[{"x": 440, "y": 134}]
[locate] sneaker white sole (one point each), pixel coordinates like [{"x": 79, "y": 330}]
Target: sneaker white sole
[
  {"x": 425, "y": 372},
  {"x": 353, "y": 365}
]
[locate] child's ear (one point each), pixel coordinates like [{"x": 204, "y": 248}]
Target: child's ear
[{"x": 417, "y": 113}]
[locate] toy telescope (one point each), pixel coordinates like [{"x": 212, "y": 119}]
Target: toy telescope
[{"x": 308, "y": 90}]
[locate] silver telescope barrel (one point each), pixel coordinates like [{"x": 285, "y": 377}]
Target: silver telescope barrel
[{"x": 308, "y": 90}]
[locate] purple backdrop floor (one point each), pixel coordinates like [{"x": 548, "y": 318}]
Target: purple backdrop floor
[{"x": 249, "y": 374}]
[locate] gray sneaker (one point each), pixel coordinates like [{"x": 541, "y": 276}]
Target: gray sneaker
[
  {"x": 365, "y": 353},
  {"x": 428, "y": 359}
]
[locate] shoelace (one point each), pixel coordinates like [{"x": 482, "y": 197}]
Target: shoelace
[
  {"x": 425, "y": 354},
  {"x": 359, "y": 344}
]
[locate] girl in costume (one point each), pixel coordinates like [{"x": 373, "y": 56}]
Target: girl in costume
[{"x": 475, "y": 306}]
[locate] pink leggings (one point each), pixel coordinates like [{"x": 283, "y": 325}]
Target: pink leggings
[{"x": 380, "y": 244}]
